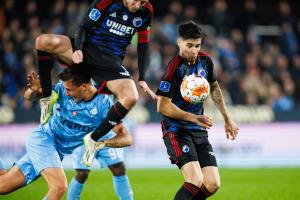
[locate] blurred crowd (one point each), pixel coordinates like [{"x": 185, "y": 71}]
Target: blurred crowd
[{"x": 257, "y": 63}]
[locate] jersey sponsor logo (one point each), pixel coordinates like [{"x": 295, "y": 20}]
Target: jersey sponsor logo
[
  {"x": 94, "y": 14},
  {"x": 185, "y": 149},
  {"x": 75, "y": 126},
  {"x": 94, "y": 111},
  {"x": 114, "y": 14},
  {"x": 119, "y": 29},
  {"x": 164, "y": 86},
  {"x": 137, "y": 22}
]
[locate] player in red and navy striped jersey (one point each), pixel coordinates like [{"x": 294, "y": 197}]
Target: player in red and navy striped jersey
[
  {"x": 100, "y": 44},
  {"x": 184, "y": 125}
]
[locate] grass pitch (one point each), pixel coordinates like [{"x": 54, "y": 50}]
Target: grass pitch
[{"x": 162, "y": 184}]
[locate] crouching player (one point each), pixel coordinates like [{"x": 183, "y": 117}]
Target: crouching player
[{"x": 78, "y": 111}]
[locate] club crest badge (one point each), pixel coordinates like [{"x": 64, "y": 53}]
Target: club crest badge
[{"x": 137, "y": 22}]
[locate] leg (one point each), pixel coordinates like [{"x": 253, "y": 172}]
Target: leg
[
  {"x": 121, "y": 182},
  {"x": 193, "y": 177},
  {"x": 77, "y": 183},
  {"x": 11, "y": 181},
  {"x": 127, "y": 94},
  {"x": 209, "y": 169},
  {"x": 211, "y": 178},
  {"x": 57, "y": 182},
  {"x": 48, "y": 45}
]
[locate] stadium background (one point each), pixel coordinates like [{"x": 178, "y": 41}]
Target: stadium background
[{"x": 255, "y": 46}]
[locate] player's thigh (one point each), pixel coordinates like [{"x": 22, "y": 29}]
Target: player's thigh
[
  {"x": 211, "y": 177},
  {"x": 123, "y": 88},
  {"x": 12, "y": 180},
  {"x": 59, "y": 45},
  {"x": 110, "y": 156},
  {"x": 205, "y": 152},
  {"x": 180, "y": 148},
  {"x": 192, "y": 173},
  {"x": 42, "y": 152},
  {"x": 77, "y": 156},
  {"x": 55, "y": 177}
]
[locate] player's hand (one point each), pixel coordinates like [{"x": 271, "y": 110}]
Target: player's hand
[
  {"x": 204, "y": 121},
  {"x": 146, "y": 89},
  {"x": 77, "y": 56},
  {"x": 33, "y": 82},
  {"x": 100, "y": 145},
  {"x": 231, "y": 129}
]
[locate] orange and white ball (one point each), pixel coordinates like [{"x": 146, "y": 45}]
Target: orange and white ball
[{"x": 194, "y": 89}]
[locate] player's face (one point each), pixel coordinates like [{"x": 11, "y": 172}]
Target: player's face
[
  {"x": 134, "y": 5},
  {"x": 76, "y": 92},
  {"x": 189, "y": 49}
]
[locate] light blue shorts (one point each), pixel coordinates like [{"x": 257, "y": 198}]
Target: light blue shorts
[
  {"x": 106, "y": 157},
  {"x": 41, "y": 154}
]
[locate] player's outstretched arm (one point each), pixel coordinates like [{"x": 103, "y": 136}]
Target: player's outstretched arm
[
  {"x": 122, "y": 139},
  {"x": 167, "y": 108},
  {"x": 231, "y": 128},
  {"x": 34, "y": 86}
]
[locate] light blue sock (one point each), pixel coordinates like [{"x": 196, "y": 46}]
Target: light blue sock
[
  {"x": 1, "y": 165},
  {"x": 75, "y": 189},
  {"x": 122, "y": 187}
]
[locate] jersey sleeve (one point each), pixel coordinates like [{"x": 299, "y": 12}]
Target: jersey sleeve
[
  {"x": 59, "y": 89},
  {"x": 105, "y": 105},
  {"x": 211, "y": 76},
  {"x": 170, "y": 81},
  {"x": 90, "y": 20}
]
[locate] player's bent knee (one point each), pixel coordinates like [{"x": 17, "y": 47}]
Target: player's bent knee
[
  {"x": 213, "y": 187},
  {"x": 82, "y": 175},
  {"x": 118, "y": 169},
  {"x": 59, "y": 190},
  {"x": 46, "y": 42}
]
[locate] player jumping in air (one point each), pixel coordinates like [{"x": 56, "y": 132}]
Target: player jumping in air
[
  {"x": 100, "y": 43},
  {"x": 184, "y": 125}
]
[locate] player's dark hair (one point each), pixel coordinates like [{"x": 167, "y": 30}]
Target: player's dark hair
[
  {"x": 75, "y": 74},
  {"x": 190, "y": 30}
]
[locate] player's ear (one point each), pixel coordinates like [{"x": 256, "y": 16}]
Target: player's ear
[{"x": 179, "y": 41}]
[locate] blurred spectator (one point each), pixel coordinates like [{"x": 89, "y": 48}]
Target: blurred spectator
[{"x": 253, "y": 68}]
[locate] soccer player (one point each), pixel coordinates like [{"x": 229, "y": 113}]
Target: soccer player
[
  {"x": 100, "y": 43},
  {"x": 184, "y": 126},
  {"x": 111, "y": 157},
  {"x": 78, "y": 108}
]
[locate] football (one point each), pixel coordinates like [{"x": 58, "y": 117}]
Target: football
[{"x": 194, "y": 89}]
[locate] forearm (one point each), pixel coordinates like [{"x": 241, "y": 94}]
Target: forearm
[
  {"x": 169, "y": 109},
  {"x": 143, "y": 55},
  {"x": 118, "y": 141},
  {"x": 217, "y": 97}
]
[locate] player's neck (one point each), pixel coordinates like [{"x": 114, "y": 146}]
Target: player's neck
[
  {"x": 190, "y": 63},
  {"x": 92, "y": 91}
]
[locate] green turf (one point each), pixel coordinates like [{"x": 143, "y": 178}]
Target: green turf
[{"x": 150, "y": 184}]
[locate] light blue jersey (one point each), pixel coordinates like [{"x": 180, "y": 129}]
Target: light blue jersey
[
  {"x": 64, "y": 132},
  {"x": 72, "y": 120}
]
